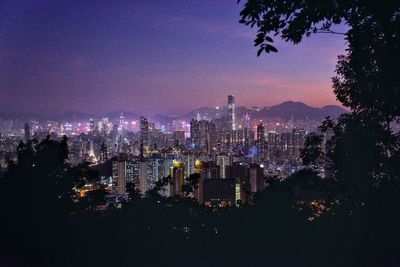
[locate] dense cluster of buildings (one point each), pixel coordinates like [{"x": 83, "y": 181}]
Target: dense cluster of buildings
[{"x": 230, "y": 154}]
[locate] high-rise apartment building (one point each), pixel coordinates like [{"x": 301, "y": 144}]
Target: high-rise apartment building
[
  {"x": 122, "y": 173},
  {"x": 177, "y": 179},
  {"x": 143, "y": 179},
  {"x": 103, "y": 153}
]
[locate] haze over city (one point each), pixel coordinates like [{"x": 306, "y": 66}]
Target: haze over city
[{"x": 153, "y": 58}]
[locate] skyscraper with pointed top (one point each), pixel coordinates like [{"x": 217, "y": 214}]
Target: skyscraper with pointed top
[{"x": 231, "y": 112}]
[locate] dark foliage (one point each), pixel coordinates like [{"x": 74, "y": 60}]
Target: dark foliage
[
  {"x": 364, "y": 150},
  {"x": 312, "y": 153},
  {"x": 191, "y": 183},
  {"x": 49, "y": 230},
  {"x": 366, "y": 77}
]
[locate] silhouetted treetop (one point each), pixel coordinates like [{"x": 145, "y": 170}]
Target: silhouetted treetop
[
  {"x": 312, "y": 151},
  {"x": 367, "y": 79},
  {"x": 293, "y": 20}
]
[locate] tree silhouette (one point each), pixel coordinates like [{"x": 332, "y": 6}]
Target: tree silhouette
[
  {"x": 364, "y": 148},
  {"x": 366, "y": 77},
  {"x": 191, "y": 183},
  {"x": 312, "y": 153}
]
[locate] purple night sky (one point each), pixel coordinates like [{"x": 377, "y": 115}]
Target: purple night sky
[{"x": 150, "y": 57}]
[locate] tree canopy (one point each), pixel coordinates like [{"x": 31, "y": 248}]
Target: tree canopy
[{"x": 366, "y": 77}]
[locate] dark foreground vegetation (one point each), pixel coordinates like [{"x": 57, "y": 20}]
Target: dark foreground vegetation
[
  {"x": 303, "y": 221},
  {"x": 350, "y": 219}
]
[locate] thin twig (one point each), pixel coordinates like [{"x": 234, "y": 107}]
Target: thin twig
[{"x": 332, "y": 32}]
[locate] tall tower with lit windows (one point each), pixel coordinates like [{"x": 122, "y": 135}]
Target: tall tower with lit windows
[{"x": 231, "y": 112}]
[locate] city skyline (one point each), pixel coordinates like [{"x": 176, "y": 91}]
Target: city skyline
[
  {"x": 297, "y": 105},
  {"x": 199, "y": 132},
  {"x": 151, "y": 58}
]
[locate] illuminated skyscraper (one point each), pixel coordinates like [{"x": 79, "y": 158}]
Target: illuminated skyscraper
[
  {"x": 222, "y": 162},
  {"x": 143, "y": 179},
  {"x": 188, "y": 162},
  {"x": 260, "y": 132},
  {"x": 204, "y": 134},
  {"x": 231, "y": 112},
  {"x": 91, "y": 125},
  {"x": 103, "y": 153},
  {"x": 155, "y": 170},
  {"x": 273, "y": 145},
  {"x": 260, "y": 143},
  {"x": 179, "y": 138},
  {"x": 144, "y": 130},
  {"x": 256, "y": 178},
  {"x": 122, "y": 174},
  {"x": 195, "y": 133},
  {"x": 212, "y": 138},
  {"x": 217, "y": 112},
  {"x": 121, "y": 126},
  {"x": 104, "y": 127},
  {"x": 198, "y": 191}
]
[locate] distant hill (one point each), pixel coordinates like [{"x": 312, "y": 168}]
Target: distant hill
[
  {"x": 285, "y": 111},
  {"x": 333, "y": 111},
  {"x": 288, "y": 110},
  {"x": 300, "y": 111}
]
